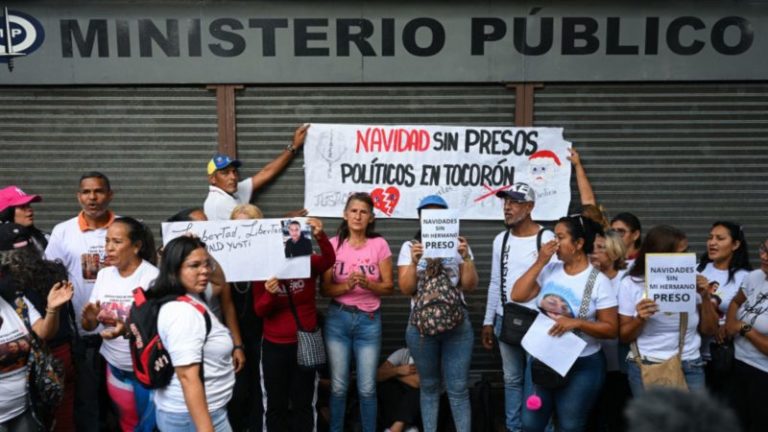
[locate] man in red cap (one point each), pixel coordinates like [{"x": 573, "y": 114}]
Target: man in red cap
[{"x": 15, "y": 208}]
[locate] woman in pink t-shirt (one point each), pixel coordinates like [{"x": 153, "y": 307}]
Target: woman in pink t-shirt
[{"x": 361, "y": 275}]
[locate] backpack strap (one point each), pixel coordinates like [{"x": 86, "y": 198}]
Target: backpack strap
[
  {"x": 587, "y": 297},
  {"x": 504, "y": 260},
  {"x": 681, "y": 339},
  {"x": 502, "y": 264},
  {"x": 293, "y": 309},
  {"x": 200, "y": 308},
  {"x": 208, "y": 324}
]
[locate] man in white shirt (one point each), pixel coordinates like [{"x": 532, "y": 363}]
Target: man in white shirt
[
  {"x": 520, "y": 252},
  {"x": 227, "y": 191},
  {"x": 79, "y": 244}
]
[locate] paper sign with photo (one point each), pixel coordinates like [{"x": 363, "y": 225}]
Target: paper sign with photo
[{"x": 247, "y": 250}]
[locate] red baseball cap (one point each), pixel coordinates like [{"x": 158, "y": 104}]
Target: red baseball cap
[{"x": 12, "y": 196}]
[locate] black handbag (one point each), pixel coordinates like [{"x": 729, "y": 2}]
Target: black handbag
[
  {"x": 722, "y": 357},
  {"x": 546, "y": 377},
  {"x": 517, "y": 319},
  {"x": 515, "y": 323},
  {"x": 543, "y": 375}
]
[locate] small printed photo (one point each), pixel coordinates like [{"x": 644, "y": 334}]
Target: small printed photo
[
  {"x": 296, "y": 238},
  {"x": 91, "y": 264},
  {"x": 555, "y": 306}
]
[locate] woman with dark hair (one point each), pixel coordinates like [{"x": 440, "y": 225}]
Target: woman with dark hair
[
  {"x": 562, "y": 290},
  {"x": 290, "y": 390},
  {"x": 657, "y": 334},
  {"x": 361, "y": 275},
  {"x": 722, "y": 268},
  {"x": 15, "y": 207},
  {"x": 747, "y": 324},
  {"x": 446, "y": 354},
  {"x": 197, "y": 397},
  {"x": 16, "y": 273},
  {"x": 130, "y": 256},
  {"x": 628, "y": 226}
]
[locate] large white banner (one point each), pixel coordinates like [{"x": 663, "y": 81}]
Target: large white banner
[
  {"x": 246, "y": 249},
  {"x": 399, "y": 165}
]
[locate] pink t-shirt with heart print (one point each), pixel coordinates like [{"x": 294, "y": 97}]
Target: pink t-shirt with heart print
[{"x": 364, "y": 259}]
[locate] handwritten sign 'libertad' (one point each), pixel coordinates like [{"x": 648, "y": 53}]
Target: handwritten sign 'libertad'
[{"x": 247, "y": 250}]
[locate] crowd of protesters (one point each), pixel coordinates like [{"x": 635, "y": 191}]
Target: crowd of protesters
[{"x": 234, "y": 347}]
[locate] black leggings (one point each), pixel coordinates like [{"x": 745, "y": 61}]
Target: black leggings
[
  {"x": 748, "y": 393},
  {"x": 286, "y": 385}
]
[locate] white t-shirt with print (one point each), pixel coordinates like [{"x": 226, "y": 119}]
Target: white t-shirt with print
[
  {"x": 720, "y": 287},
  {"x": 82, "y": 252},
  {"x": 219, "y": 204},
  {"x": 452, "y": 265},
  {"x": 116, "y": 296},
  {"x": 561, "y": 294},
  {"x": 14, "y": 350},
  {"x": 522, "y": 253},
  {"x": 182, "y": 329},
  {"x": 753, "y": 311},
  {"x": 659, "y": 338}
]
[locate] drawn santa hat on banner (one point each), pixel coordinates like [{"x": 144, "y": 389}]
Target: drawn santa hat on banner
[{"x": 542, "y": 166}]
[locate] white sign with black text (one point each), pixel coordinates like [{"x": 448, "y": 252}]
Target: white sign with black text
[
  {"x": 671, "y": 281},
  {"x": 247, "y": 250},
  {"x": 439, "y": 233}
]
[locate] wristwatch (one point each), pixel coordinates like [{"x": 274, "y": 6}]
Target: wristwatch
[
  {"x": 745, "y": 328},
  {"x": 292, "y": 149}
]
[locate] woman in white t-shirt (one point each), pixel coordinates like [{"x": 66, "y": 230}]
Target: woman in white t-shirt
[
  {"x": 130, "y": 256},
  {"x": 195, "y": 399},
  {"x": 610, "y": 257},
  {"x": 722, "y": 269},
  {"x": 15, "y": 340},
  {"x": 747, "y": 323},
  {"x": 442, "y": 358},
  {"x": 559, "y": 288},
  {"x": 657, "y": 334}
]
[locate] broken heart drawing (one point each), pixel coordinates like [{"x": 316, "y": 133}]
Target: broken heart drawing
[{"x": 386, "y": 200}]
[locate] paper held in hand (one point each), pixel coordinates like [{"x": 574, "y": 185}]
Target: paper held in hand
[
  {"x": 247, "y": 250},
  {"x": 439, "y": 233},
  {"x": 671, "y": 281},
  {"x": 557, "y": 352}
]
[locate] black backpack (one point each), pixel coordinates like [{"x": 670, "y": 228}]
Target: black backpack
[{"x": 151, "y": 361}]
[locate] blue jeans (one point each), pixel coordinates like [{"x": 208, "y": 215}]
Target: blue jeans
[
  {"x": 692, "y": 369},
  {"x": 182, "y": 422},
  {"x": 450, "y": 352},
  {"x": 571, "y": 403},
  {"x": 347, "y": 332},
  {"x": 513, "y": 360}
]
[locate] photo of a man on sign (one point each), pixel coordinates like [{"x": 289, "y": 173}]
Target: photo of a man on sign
[{"x": 297, "y": 243}]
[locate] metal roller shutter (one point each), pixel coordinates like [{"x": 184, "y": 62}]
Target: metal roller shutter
[
  {"x": 267, "y": 116},
  {"x": 152, "y": 142},
  {"x": 685, "y": 154}
]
